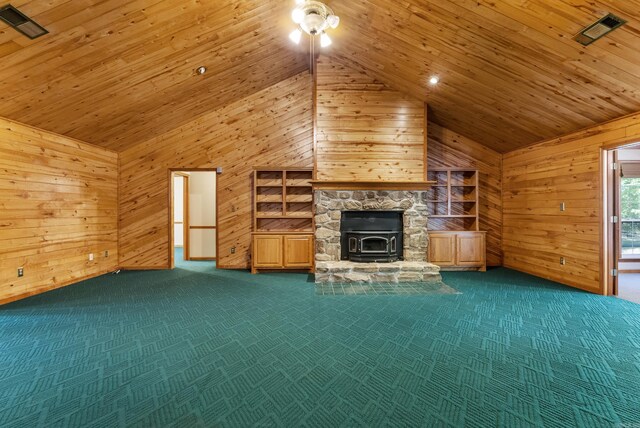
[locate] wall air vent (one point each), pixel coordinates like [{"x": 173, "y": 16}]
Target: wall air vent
[
  {"x": 598, "y": 29},
  {"x": 21, "y": 22}
]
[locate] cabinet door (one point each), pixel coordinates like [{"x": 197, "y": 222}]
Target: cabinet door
[
  {"x": 442, "y": 249},
  {"x": 298, "y": 251},
  {"x": 267, "y": 251},
  {"x": 470, "y": 249}
]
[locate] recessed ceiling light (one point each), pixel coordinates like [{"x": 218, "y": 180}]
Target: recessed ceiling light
[
  {"x": 434, "y": 80},
  {"x": 201, "y": 70}
]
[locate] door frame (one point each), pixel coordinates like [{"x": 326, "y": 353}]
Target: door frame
[
  {"x": 171, "y": 172},
  {"x": 609, "y": 204},
  {"x": 619, "y": 202},
  {"x": 185, "y": 214}
]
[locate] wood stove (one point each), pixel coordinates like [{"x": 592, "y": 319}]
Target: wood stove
[{"x": 371, "y": 236}]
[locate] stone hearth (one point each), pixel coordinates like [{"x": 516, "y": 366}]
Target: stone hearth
[
  {"x": 414, "y": 267},
  {"x": 396, "y": 272}
]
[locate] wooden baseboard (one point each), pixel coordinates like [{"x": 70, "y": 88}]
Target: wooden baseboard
[
  {"x": 202, "y": 259},
  {"x": 53, "y": 287},
  {"x": 233, "y": 267},
  {"x": 294, "y": 270},
  {"x": 144, "y": 267},
  {"x": 559, "y": 281}
]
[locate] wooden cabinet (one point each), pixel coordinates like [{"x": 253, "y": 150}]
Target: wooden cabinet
[
  {"x": 470, "y": 249},
  {"x": 298, "y": 251},
  {"x": 442, "y": 249},
  {"x": 267, "y": 251},
  {"x": 282, "y": 251},
  {"x": 282, "y": 219},
  {"x": 455, "y": 241},
  {"x": 458, "y": 250}
]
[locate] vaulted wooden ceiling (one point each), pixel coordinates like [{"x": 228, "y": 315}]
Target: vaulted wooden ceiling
[
  {"x": 511, "y": 73},
  {"x": 116, "y": 72}
]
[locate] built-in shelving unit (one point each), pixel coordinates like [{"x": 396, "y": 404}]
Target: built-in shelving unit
[
  {"x": 283, "y": 200},
  {"x": 453, "y": 200},
  {"x": 282, "y": 219},
  {"x": 455, "y": 239}
]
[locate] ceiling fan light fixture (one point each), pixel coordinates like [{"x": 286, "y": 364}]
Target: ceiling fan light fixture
[
  {"x": 333, "y": 21},
  {"x": 313, "y": 17},
  {"x": 295, "y": 36},
  {"x": 297, "y": 15},
  {"x": 325, "y": 40}
]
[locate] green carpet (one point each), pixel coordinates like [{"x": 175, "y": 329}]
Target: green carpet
[
  {"x": 201, "y": 347},
  {"x": 402, "y": 288}
]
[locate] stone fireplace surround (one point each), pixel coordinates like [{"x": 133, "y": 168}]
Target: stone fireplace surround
[{"x": 328, "y": 212}]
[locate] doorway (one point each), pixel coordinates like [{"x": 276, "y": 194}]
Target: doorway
[
  {"x": 193, "y": 217},
  {"x": 623, "y": 221}
]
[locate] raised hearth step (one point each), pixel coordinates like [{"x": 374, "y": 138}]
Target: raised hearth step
[{"x": 401, "y": 271}]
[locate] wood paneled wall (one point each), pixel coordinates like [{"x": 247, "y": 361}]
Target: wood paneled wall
[
  {"x": 273, "y": 127},
  {"x": 365, "y": 130},
  {"x": 58, "y": 203},
  {"x": 450, "y": 150},
  {"x": 536, "y": 180}
]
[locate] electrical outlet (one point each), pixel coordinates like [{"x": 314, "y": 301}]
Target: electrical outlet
[
  {"x": 562, "y": 206},
  {"x": 20, "y": 272},
  {"x": 106, "y": 253},
  {"x": 233, "y": 250},
  {"x": 562, "y": 261},
  {"x": 90, "y": 257}
]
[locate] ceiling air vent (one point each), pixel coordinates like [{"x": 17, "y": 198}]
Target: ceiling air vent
[
  {"x": 598, "y": 29},
  {"x": 21, "y": 22}
]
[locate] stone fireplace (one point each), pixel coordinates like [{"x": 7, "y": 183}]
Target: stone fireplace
[{"x": 333, "y": 206}]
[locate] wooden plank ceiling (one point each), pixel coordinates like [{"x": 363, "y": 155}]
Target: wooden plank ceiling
[
  {"x": 116, "y": 72},
  {"x": 511, "y": 74}
]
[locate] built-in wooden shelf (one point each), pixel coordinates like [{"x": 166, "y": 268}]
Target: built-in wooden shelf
[
  {"x": 282, "y": 235},
  {"x": 299, "y": 198},
  {"x": 453, "y": 202},
  {"x": 455, "y": 240},
  {"x": 371, "y": 185},
  {"x": 269, "y": 198}
]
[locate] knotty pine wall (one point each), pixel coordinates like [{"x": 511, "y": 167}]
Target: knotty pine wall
[
  {"x": 536, "y": 180},
  {"x": 273, "y": 127},
  {"x": 365, "y": 130},
  {"x": 448, "y": 149},
  {"x": 58, "y": 203}
]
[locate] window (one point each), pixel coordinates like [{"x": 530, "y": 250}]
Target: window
[{"x": 630, "y": 216}]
